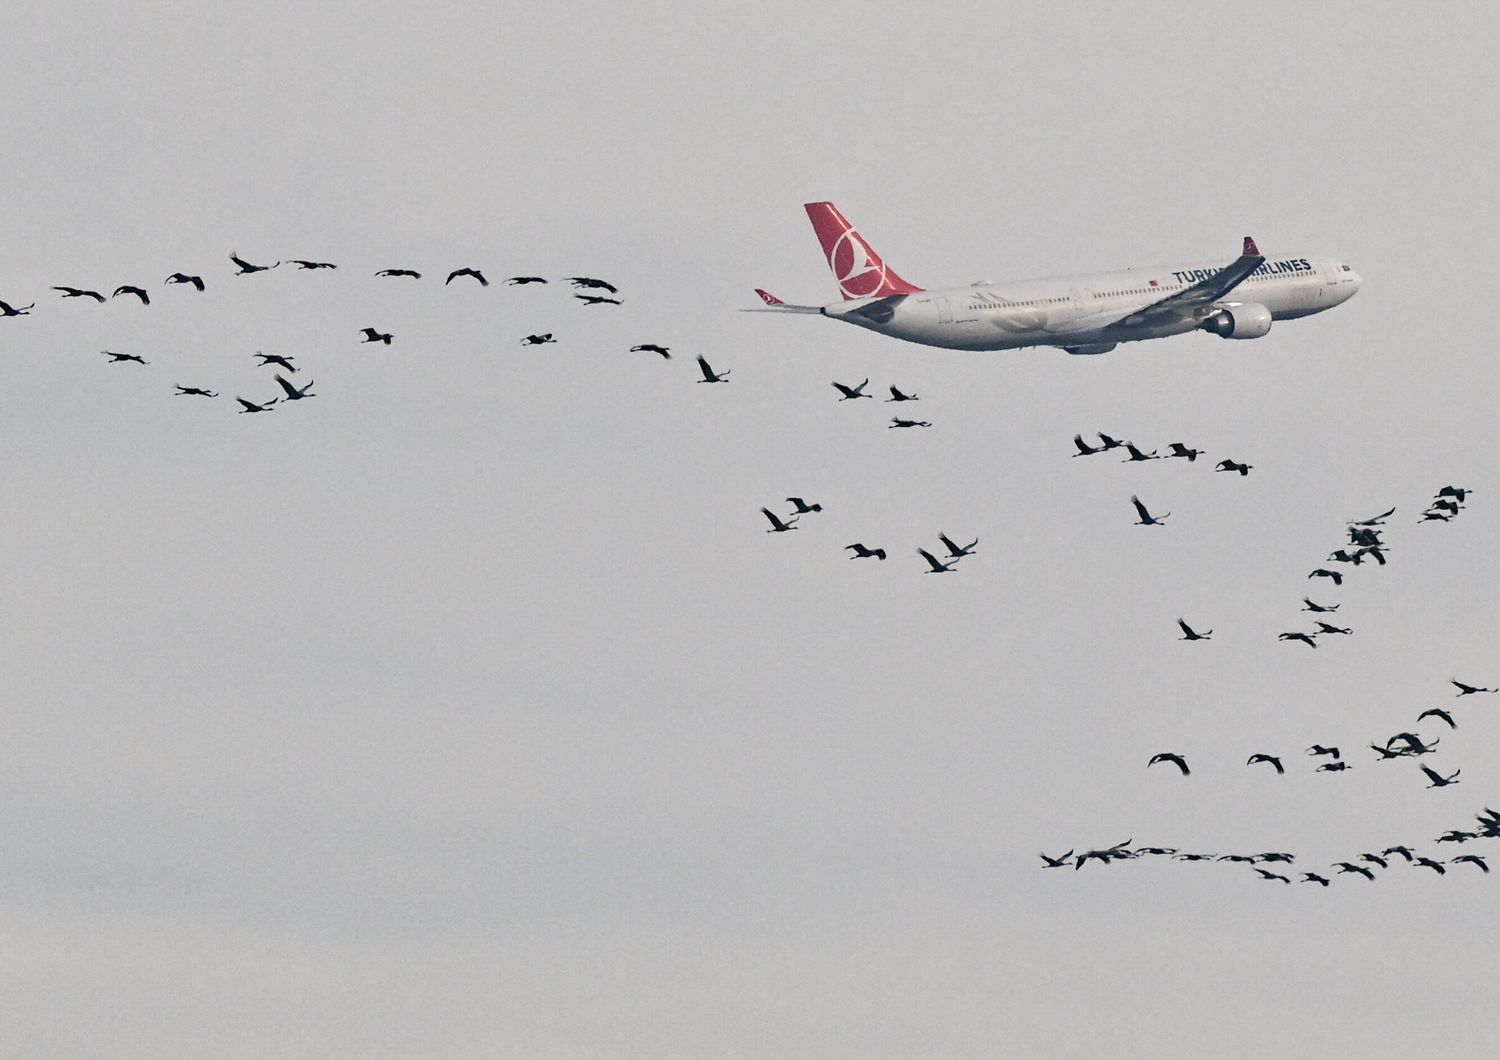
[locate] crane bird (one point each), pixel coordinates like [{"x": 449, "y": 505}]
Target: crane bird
[
  {"x": 293, "y": 393},
  {"x": 861, "y": 552},
  {"x": 413, "y": 273},
  {"x": 709, "y": 375},
  {"x": 777, "y": 525},
  {"x": 1137, "y": 455},
  {"x": 116, "y": 358},
  {"x": 1467, "y": 690},
  {"x": 1230, "y": 465},
  {"x": 183, "y": 277},
  {"x": 1084, "y": 448},
  {"x": 938, "y": 566},
  {"x": 1147, "y": 519},
  {"x": 518, "y": 281},
  {"x": 1178, "y": 449},
  {"x": 184, "y": 391},
  {"x": 851, "y": 392},
  {"x": 1346, "y": 866},
  {"x": 1313, "y": 877},
  {"x": 1328, "y": 627},
  {"x": 802, "y": 506},
  {"x": 1267, "y": 875},
  {"x": 251, "y": 406},
  {"x": 474, "y": 273},
  {"x": 1167, "y": 756},
  {"x": 1458, "y": 493},
  {"x": 596, "y": 299},
  {"x": 1429, "y": 863},
  {"x": 303, "y": 263},
  {"x": 1321, "y": 609},
  {"x": 1189, "y": 633},
  {"x": 79, "y": 292},
  {"x": 8, "y": 310},
  {"x": 1440, "y": 781},
  {"x": 1324, "y": 572},
  {"x": 371, "y": 335},
  {"x": 245, "y": 267},
  {"x": 1441, "y": 714},
  {"x": 538, "y": 340},
  {"x": 1061, "y": 860},
  {"x": 1332, "y": 767},
  {"x": 1305, "y": 638},
  {"x": 651, "y": 347},
  {"x": 275, "y": 358},
  {"x": 1318, "y": 749},
  {"x": 1374, "y": 520},
  {"x": 1275, "y": 762},
  {"x": 896, "y": 395},
  {"x": 897, "y": 421},
  {"x": 1472, "y": 859},
  {"x": 132, "y": 289},
  {"x": 588, "y": 282},
  {"x": 956, "y": 550}
]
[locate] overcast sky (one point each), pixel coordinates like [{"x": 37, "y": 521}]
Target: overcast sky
[{"x": 467, "y": 709}]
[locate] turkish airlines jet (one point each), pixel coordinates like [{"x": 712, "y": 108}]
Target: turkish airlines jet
[{"x": 1081, "y": 314}]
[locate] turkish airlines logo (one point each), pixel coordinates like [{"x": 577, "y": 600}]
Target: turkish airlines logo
[{"x": 858, "y": 272}]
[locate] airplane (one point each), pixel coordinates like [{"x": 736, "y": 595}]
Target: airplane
[{"x": 1088, "y": 314}]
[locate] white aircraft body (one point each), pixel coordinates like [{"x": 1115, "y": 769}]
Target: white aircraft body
[{"x": 1081, "y": 314}]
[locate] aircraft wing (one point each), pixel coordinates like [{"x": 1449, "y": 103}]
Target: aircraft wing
[
  {"x": 1190, "y": 303},
  {"x": 776, "y": 305}
]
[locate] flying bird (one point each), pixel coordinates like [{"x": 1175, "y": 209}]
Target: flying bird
[
  {"x": 538, "y": 340},
  {"x": 1137, "y": 455},
  {"x": 1435, "y": 866},
  {"x": 1440, "y": 713},
  {"x": 1147, "y": 519},
  {"x": 303, "y": 263},
  {"x": 1305, "y": 638},
  {"x": 1178, "y": 449},
  {"x": 1318, "y": 749},
  {"x": 131, "y": 289},
  {"x": 116, "y": 358},
  {"x": 277, "y": 359},
  {"x": 956, "y": 550},
  {"x": 1440, "y": 781},
  {"x": 1458, "y": 493},
  {"x": 851, "y": 392},
  {"x": 897, "y": 421},
  {"x": 251, "y": 406},
  {"x": 475, "y": 273},
  {"x": 79, "y": 292},
  {"x": 371, "y": 335},
  {"x": 1188, "y": 633},
  {"x": 1472, "y": 859},
  {"x": 413, "y": 273},
  {"x": 1324, "y": 572},
  {"x": 1467, "y": 690},
  {"x": 292, "y": 392},
  {"x": 1108, "y": 442},
  {"x": 1332, "y": 767},
  {"x": 1325, "y": 627},
  {"x": 1266, "y": 875},
  {"x": 246, "y": 267},
  {"x": 1167, "y": 756},
  {"x": 596, "y": 299},
  {"x": 182, "y": 277},
  {"x": 8, "y": 310},
  {"x": 1319, "y": 608},
  {"x": 802, "y": 506},
  {"x": 861, "y": 552},
  {"x": 1374, "y": 859},
  {"x": 651, "y": 347},
  {"x": 777, "y": 525},
  {"x": 896, "y": 395},
  {"x": 1084, "y": 448},
  {"x": 1454, "y": 835},
  {"x": 1405, "y": 852},
  {"x": 1345, "y": 866},
  {"x": 183, "y": 391},
  {"x": 1230, "y": 465},
  {"x": 709, "y": 375},
  {"x": 938, "y": 566},
  {"x": 590, "y": 283},
  {"x": 517, "y": 281},
  {"x": 1313, "y": 877},
  {"x": 1435, "y": 517},
  {"x": 1058, "y": 862},
  {"x": 1374, "y": 520},
  {"x": 1275, "y": 762}
]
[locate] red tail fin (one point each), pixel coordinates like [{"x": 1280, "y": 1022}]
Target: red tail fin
[{"x": 858, "y": 269}]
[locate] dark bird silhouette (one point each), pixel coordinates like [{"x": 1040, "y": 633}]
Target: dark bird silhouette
[
  {"x": 1458, "y": 493},
  {"x": 183, "y": 277},
  {"x": 1374, "y": 859},
  {"x": 1108, "y": 442},
  {"x": 8, "y": 310},
  {"x": 938, "y": 566},
  {"x": 1188, "y": 633},
  {"x": 1375, "y": 552},
  {"x": 251, "y": 406},
  {"x": 596, "y": 299},
  {"x": 851, "y": 392},
  {"x": 538, "y": 340},
  {"x": 517, "y": 281},
  {"x": 303, "y": 263},
  {"x": 1386, "y": 753},
  {"x": 276, "y": 359},
  {"x": 1325, "y": 627},
  {"x": 1472, "y": 859},
  {"x": 475, "y": 273},
  {"x": 651, "y": 347},
  {"x": 1084, "y": 449},
  {"x": 1324, "y": 572},
  {"x": 1440, "y": 713},
  {"x": 1245, "y": 859},
  {"x": 1404, "y": 852},
  {"x": 1451, "y": 507},
  {"x": 1332, "y": 767},
  {"x": 1440, "y": 781},
  {"x": 1343, "y": 556},
  {"x": 861, "y": 552},
  {"x": 1435, "y": 866},
  {"x": 777, "y": 525},
  {"x": 1136, "y": 454},
  {"x": 1193, "y": 857},
  {"x": 1374, "y": 520},
  {"x": 1178, "y": 449},
  {"x": 413, "y": 273},
  {"x": 1161, "y": 851},
  {"x": 1265, "y": 875},
  {"x": 1058, "y": 862},
  {"x": 1313, "y": 877},
  {"x": 802, "y": 506},
  {"x": 1318, "y": 749},
  {"x": 1305, "y": 638},
  {"x": 1364, "y": 535},
  {"x": 1276, "y": 762},
  {"x": 590, "y": 283},
  {"x": 1435, "y": 517},
  {"x": 245, "y": 267},
  {"x": 116, "y": 358},
  {"x": 79, "y": 292},
  {"x": 956, "y": 550},
  {"x": 1467, "y": 690},
  {"x": 1146, "y": 518},
  {"x": 1319, "y": 608},
  {"x": 1454, "y": 835},
  {"x": 709, "y": 375},
  {"x": 371, "y": 335},
  {"x": 896, "y": 395},
  {"x": 183, "y": 391},
  {"x": 1345, "y": 866},
  {"x": 897, "y": 421},
  {"x": 131, "y": 289},
  {"x": 1414, "y": 743},
  {"x": 1167, "y": 756},
  {"x": 1230, "y": 465},
  {"x": 1277, "y": 855},
  {"x": 292, "y": 392}
]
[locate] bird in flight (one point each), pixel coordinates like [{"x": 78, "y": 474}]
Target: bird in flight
[
  {"x": 303, "y": 263},
  {"x": 517, "y": 281},
  {"x": 1332, "y": 767},
  {"x": 1084, "y": 448},
  {"x": 1318, "y": 749},
  {"x": 1313, "y": 877},
  {"x": 1319, "y": 608},
  {"x": 245, "y": 267},
  {"x": 1167, "y": 756},
  {"x": 1267, "y": 875},
  {"x": 852, "y": 392},
  {"x": 1467, "y": 690},
  {"x": 938, "y": 566},
  {"x": 1405, "y": 852},
  {"x": 1108, "y": 442},
  {"x": 1458, "y": 493},
  {"x": 1374, "y": 520},
  {"x": 596, "y": 299},
  {"x": 293, "y": 393},
  {"x": 956, "y": 550},
  {"x": 1328, "y": 627},
  {"x": 896, "y": 395},
  {"x": 1147, "y": 519},
  {"x": 538, "y": 340},
  {"x": 1230, "y": 465},
  {"x": 1178, "y": 449},
  {"x": 1305, "y": 638},
  {"x": 651, "y": 347},
  {"x": 182, "y": 277},
  {"x": 777, "y": 525},
  {"x": 413, "y": 273},
  {"x": 897, "y": 421},
  {"x": 861, "y": 552},
  {"x": 1275, "y": 762},
  {"x": 1440, "y": 713},
  {"x": 277, "y": 359},
  {"x": 802, "y": 506},
  {"x": 588, "y": 282},
  {"x": 1062, "y": 860},
  {"x": 8, "y": 310},
  {"x": 709, "y": 375},
  {"x": 1189, "y": 633},
  {"x": 79, "y": 292},
  {"x": 116, "y": 358},
  {"x": 1440, "y": 781},
  {"x": 371, "y": 335},
  {"x": 1472, "y": 859},
  {"x": 1324, "y": 572},
  {"x": 1435, "y": 517},
  {"x": 131, "y": 289},
  {"x": 1429, "y": 863},
  {"x": 183, "y": 391},
  {"x": 1137, "y": 455},
  {"x": 251, "y": 406},
  {"x": 1346, "y": 866},
  {"x": 475, "y": 273}
]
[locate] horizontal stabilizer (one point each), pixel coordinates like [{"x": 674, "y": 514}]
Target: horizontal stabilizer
[{"x": 776, "y": 305}]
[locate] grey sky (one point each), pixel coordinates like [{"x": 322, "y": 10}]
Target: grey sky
[{"x": 469, "y": 711}]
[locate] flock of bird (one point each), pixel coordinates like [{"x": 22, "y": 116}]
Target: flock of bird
[
  {"x": 850, "y": 393},
  {"x": 800, "y": 507}
]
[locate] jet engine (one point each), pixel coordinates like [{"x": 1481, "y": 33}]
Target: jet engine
[{"x": 1248, "y": 321}]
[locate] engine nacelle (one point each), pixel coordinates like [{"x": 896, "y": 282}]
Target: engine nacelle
[{"x": 1248, "y": 321}]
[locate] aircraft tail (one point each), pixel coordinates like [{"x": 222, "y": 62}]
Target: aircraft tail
[{"x": 858, "y": 269}]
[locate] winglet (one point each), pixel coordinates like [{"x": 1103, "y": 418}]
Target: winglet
[
  {"x": 1250, "y": 250},
  {"x": 768, "y": 298}
]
